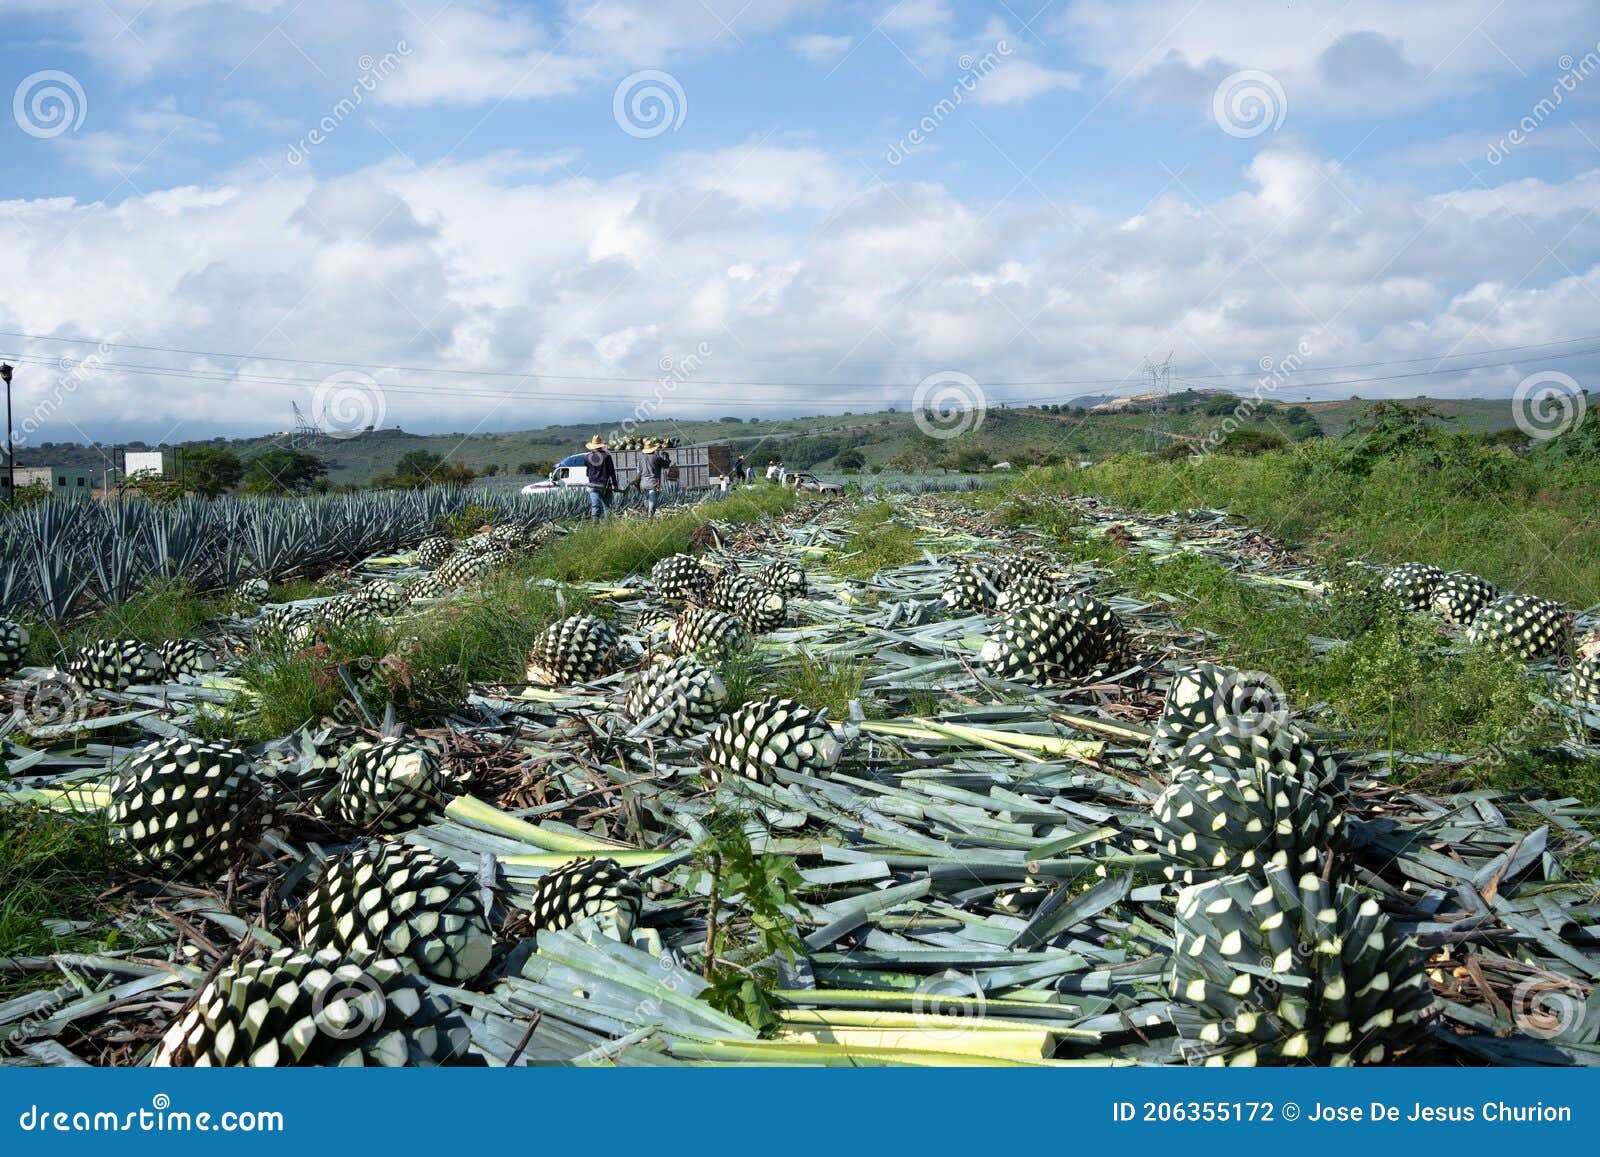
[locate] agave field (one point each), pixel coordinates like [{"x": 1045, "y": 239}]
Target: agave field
[
  {"x": 758, "y": 803},
  {"x": 60, "y": 559}
]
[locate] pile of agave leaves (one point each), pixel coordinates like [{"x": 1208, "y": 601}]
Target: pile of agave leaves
[{"x": 975, "y": 881}]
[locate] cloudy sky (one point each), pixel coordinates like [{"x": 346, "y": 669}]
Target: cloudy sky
[{"x": 458, "y": 214}]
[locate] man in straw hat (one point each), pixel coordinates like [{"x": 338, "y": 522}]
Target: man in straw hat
[
  {"x": 656, "y": 464},
  {"x": 602, "y": 476}
]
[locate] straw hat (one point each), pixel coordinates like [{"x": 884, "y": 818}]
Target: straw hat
[
  {"x": 652, "y": 444},
  {"x": 596, "y": 443}
]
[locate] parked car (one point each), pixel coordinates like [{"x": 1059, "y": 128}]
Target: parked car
[{"x": 805, "y": 480}]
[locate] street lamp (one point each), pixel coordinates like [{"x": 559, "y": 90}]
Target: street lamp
[{"x": 11, "y": 447}]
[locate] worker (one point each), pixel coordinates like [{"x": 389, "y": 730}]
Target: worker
[
  {"x": 602, "y": 473},
  {"x": 738, "y": 468},
  {"x": 722, "y": 483},
  {"x": 783, "y": 474},
  {"x": 772, "y": 470},
  {"x": 656, "y": 464}
]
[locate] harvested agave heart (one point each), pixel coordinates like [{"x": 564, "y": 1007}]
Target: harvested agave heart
[{"x": 766, "y": 736}]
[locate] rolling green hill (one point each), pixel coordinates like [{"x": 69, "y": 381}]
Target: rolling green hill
[{"x": 816, "y": 442}]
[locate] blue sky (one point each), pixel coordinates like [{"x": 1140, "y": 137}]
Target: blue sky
[{"x": 182, "y": 176}]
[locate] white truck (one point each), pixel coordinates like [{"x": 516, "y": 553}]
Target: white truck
[{"x": 693, "y": 468}]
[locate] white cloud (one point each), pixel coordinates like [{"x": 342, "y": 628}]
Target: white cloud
[
  {"x": 463, "y": 51},
  {"x": 789, "y": 265},
  {"x": 818, "y": 48},
  {"x": 1367, "y": 55},
  {"x": 1018, "y": 80}
]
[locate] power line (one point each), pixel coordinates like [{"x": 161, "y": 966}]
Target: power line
[{"x": 785, "y": 384}]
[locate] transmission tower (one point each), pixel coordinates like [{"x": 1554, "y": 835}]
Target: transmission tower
[
  {"x": 1157, "y": 386},
  {"x": 305, "y": 430}
]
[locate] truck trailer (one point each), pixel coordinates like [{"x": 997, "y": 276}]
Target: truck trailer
[{"x": 693, "y": 468}]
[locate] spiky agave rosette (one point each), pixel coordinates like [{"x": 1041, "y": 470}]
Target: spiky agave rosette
[
  {"x": 252, "y": 590},
  {"x": 598, "y": 889},
  {"x": 677, "y": 697},
  {"x": 575, "y": 650},
  {"x": 1236, "y": 802},
  {"x": 1284, "y": 968},
  {"x": 396, "y": 900},
  {"x": 186, "y": 806},
  {"x": 1523, "y": 625},
  {"x": 297, "y": 1008},
  {"x": 765, "y": 737}
]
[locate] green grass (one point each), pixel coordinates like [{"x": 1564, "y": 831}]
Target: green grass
[
  {"x": 165, "y": 610},
  {"x": 52, "y": 866},
  {"x": 426, "y": 663},
  {"x": 875, "y": 542},
  {"x": 1525, "y": 523},
  {"x": 818, "y": 683},
  {"x": 617, "y": 547},
  {"x": 1396, "y": 684}
]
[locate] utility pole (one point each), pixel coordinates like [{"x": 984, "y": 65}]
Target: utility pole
[{"x": 11, "y": 447}]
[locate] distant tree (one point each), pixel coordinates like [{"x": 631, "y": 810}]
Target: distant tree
[
  {"x": 211, "y": 470},
  {"x": 540, "y": 468},
  {"x": 1250, "y": 440},
  {"x": 731, "y": 420},
  {"x": 850, "y": 460},
  {"x": 967, "y": 460},
  {"x": 418, "y": 464},
  {"x": 282, "y": 471},
  {"x": 490, "y": 470}
]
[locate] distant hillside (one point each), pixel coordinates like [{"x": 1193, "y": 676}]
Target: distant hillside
[{"x": 1090, "y": 427}]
